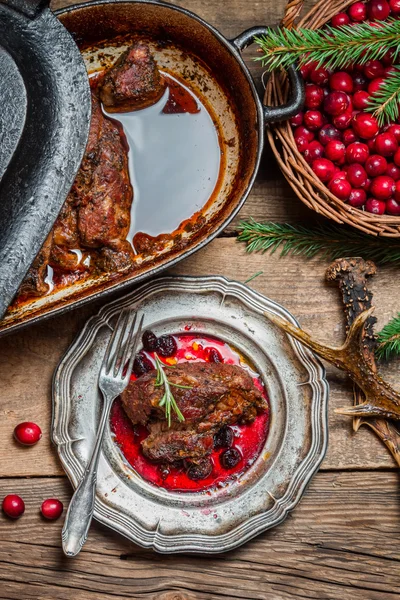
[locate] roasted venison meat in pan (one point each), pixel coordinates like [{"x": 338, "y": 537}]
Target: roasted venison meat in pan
[
  {"x": 214, "y": 395},
  {"x": 90, "y": 232}
]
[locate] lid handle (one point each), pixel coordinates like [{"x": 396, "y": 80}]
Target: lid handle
[{"x": 29, "y": 8}]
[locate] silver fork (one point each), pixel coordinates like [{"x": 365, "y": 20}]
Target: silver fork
[{"x": 113, "y": 379}]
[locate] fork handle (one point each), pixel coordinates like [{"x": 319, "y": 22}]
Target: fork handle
[{"x": 81, "y": 507}]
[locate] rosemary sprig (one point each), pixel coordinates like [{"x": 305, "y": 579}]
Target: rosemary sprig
[
  {"x": 168, "y": 399},
  {"x": 389, "y": 339},
  {"x": 328, "y": 241},
  {"x": 385, "y": 102},
  {"x": 333, "y": 47}
]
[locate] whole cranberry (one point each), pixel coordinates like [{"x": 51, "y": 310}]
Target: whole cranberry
[
  {"x": 52, "y": 509},
  {"x": 320, "y": 76},
  {"x": 371, "y": 144},
  {"x": 328, "y": 133},
  {"x": 314, "y": 96},
  {"x": 360, "y": 82},
  {"x": 343, "y": 121},
  {"x": 378, "y": 10},
  {"x": 230, "y": 458},
  {"x": 390, "y": 71},
  {"x": 305, "y": 71},
  {"x": 27, "y": 433},
  {"x": 166, "y": 346},
  {"x": 13, "y": 506},
  {"x": 367, "y": 185},
  {"x": 313, "y": 120},
  {"x": 201, "y": 469},
  {"x": 360, "y": 100},
  {"x": 393, "y": 207},
  {"x": 375, "y": 85},
  {"x": 323, "y": 168},
  {"x": 341, "y": 82},
  {"x": 383, "y": 187},
  {"x": 348, "y": 137},
  {"x": 396, "y": 157},
  {"x": 394, "y": 7},
  {"x": 336, "y": 103},
  {"x": 149, "y": 341},
  {"x": 212, "y": 355},
  {"x": 357, "y": 12},
  {"x": 335, "y": 151},
  {"x": 302, "y": 131},
  {"x": 393, "y": 171},
  {"x": 356, "y": 175},
  {"x": 223, "y": 438},
  {"x": 376, "y": 165},
  {"x": 365, "y": 125},
  {"x": 373, "y": 68},
  {"x": 397, "y": 191},
  {"x": 394, "y": 129},
  {"x": 297, "y": 120},
  {"x": 340, "y": 188},
  {"x": 386, "y": 144},
  {"x": 142, "y": 364},
  {"x": 357, "y": 198},
  {"x": 387, "y": 58},
  {"x": 340, "y": 19},
  {"x": 340, "y": 175},
  {"x": 302, "y": 144},
  {"x": 357, "y": 153},
  {"x": 375, "y": 206},
  {"x": 313, "y": 151}
]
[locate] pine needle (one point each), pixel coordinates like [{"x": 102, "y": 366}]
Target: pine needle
[
  {"x": 389, "y": 340},
  {"x": 328, "y": 242},
  {"x": 333, "y": 47},
  {"x": 385, "y": 102}
]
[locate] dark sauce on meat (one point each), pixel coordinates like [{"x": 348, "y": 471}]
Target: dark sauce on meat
[{"x": 248, "y": 440}]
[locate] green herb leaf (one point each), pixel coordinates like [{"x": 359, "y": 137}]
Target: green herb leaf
[{"x": 168, "y": 400}]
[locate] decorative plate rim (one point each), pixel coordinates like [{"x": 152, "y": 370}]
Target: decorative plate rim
[{"x": 254, "y": 525}]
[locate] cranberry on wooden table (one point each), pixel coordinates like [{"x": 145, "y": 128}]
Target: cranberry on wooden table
[
  {"x": 52, "y": 509},
  {"x": 13, "y": 506},
  {"x": 27, "y": 433}
]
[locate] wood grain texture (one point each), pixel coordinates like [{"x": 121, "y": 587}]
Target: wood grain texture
[
  {"x": 340, "y": 543},
  {"x": 328, "y": 548}
]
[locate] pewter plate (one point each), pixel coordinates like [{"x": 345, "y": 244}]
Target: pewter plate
[{"x": 226, "y": 518}]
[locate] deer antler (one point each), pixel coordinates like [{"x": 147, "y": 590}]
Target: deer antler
[
  {"x": 381, "y": 400},
  {"x": 352, "y": 276}
]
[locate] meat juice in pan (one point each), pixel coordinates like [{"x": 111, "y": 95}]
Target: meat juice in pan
[
  {"x": 248, "y": 439},
  {"x": 174, "y": 163}
]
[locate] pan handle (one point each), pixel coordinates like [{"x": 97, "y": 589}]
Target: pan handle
[
  {"x": 29, "y": 8},
  {"x": 296, "y": 99}
]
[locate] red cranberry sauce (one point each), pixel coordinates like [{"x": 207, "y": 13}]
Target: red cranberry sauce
[{"x": 247, "y": 439}]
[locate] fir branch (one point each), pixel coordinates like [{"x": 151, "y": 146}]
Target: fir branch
[
  {"x": 332, "y": 47},
  {"x": 329, "y": 242},
  {"x": 168, "y": 399},
  {"x": 389, "y": 339},
  {"x": 385, "y": 102}
]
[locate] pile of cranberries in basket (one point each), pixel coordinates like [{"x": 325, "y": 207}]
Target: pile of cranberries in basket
[{"x": 347, "y": 150}]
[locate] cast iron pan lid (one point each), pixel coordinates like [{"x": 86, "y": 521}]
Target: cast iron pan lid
[{"x": 44, "y": 125}]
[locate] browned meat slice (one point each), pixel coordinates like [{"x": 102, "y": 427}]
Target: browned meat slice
[
  {"x": 34, "y": 282},
  {"x": 219, "y": 394},
  {"x": 134, "y": 82},
  {"x": 104, "y": 191},
  {"x": 66, "y": 238}
]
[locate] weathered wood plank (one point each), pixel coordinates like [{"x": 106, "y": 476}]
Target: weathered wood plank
[
  {"x": 28, "y": 358},
  {"x": 341, "y": 542}
]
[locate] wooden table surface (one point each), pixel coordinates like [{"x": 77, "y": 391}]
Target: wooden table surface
[{"x": 343, "y": 539}]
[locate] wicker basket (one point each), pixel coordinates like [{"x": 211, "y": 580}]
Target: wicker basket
[{"x": 296, "y": 170}]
